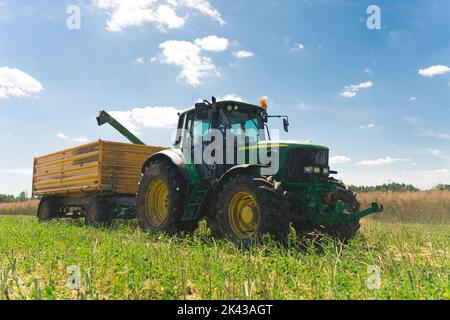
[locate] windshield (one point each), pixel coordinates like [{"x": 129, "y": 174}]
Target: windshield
[{"x": 247, "y": 124}]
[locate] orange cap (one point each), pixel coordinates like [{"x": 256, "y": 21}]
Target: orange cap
[{"x": 263, "y": 103}]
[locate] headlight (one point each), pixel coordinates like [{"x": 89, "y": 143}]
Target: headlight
[
  {"x": 317, "y": 170},
  {"x": 308, "y": 170},
  {"x": 326, "y": 171}
]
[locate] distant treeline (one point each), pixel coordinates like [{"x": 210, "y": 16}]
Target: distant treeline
[
  {"x": 394, "y": 187},
  {"x": 442, "y": 187},
  {"x": 397, "y": 187},
  {"x": 6, "y": 198}
]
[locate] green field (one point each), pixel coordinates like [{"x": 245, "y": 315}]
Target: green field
[{"x": 124, "y": 263}]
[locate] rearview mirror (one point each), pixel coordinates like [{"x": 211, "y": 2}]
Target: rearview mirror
[
  {"x": 286, "y": 125},
  {"x": 201, "y": 111}
]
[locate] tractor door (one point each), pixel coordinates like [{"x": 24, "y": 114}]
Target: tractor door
[{"x": 197, "y": 129}]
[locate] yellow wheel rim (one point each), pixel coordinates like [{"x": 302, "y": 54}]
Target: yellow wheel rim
[
  {"x": 244, "y": 215},
  {"x": 157, "y": 202},
  {"x": 44, "y": 212},
  {"x": 92, "y": 212}
]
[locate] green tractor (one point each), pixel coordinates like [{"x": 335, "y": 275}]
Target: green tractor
[{"x": 240, "y": 199}]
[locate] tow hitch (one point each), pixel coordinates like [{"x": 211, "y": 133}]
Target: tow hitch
[{"x": 374, "y": 209}]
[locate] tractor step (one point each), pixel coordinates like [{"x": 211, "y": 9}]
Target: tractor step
[
  {"x": 196, "y": 204},
  {"x": 195, "y": 201}
]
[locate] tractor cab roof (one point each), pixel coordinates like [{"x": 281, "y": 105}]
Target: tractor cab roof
[{"x": 226, "y": 103}]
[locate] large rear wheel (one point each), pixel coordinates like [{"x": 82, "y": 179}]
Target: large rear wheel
[
  {"x": 161, "y": 200},
  {"x": 248, "y": 207}
]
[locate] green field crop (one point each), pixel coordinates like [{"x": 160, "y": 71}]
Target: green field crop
[{"x": 124, "y": 263}]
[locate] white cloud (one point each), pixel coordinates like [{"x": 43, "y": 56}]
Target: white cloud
[
  {"x": 348, "y": 94},
  {"x": 62, "y": 136},
  {"x": 368, "y": 71},
  {"x": 243, "y": 54},
  {"x": 139, "y": 60},
  {"x": 24, "y": 172},
  {"x": 231, "y": 97},
  {"x": 434, "y": 177},
  {"x": 436, "y": 153},
  {"x": 425, "y": 132},
  {"x": 412, "y": 99},
  {"x": 213, "y": 43},
  {"x": 203, "y": 6},
  {"x": 432, "y": 134},
  {"x": 369, "y": 126},
  {"x": 352, "y": 90},
  {"x": 187, "y": 56},
  {"x": 298, "y": 47},
  {"x": 163, "y": 14},
  {"x": 339, "y": 160},
  {"x": 381, "y": 162},
  {"x": 147, "y": 117},
  {"x": 303, "y": 107},
  {"x": 81, "y": 139},
  {"x": 413, "y": 120},
  {"x": 16, "y": 83},
  {"x": 434, "y": 71}
]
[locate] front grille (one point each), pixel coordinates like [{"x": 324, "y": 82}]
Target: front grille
[{"x": 298, "y": 159}]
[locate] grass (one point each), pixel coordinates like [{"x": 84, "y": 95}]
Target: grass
[{"x": 124, "y": 263}]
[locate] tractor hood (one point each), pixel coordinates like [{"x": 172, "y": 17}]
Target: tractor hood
[{"x": 291, "y": 144}]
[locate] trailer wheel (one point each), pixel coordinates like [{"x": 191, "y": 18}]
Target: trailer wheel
[
  {"x": 161, "y": 200},
  {"x": 47, "y": 210},
  {"x": 97, "y": 212},
  {"x": 248, "y": 207}
]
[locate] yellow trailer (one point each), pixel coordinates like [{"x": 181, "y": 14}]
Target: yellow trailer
[{"x": 99, "y": 178}]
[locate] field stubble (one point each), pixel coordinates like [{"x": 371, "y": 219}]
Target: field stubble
[
  {"x": 408, "y": 245},
  {"x": 19, "y": 208}
]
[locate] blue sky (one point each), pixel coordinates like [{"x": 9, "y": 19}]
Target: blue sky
[{"x": 380, "y": 99}]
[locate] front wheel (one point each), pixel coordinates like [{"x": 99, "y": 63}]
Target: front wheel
[
  {"x": 345, "y": 231},
  {"x": 342, "y": 232},
  {"x": 248, "y": 207},
  {"x": 161, "y": 200}
]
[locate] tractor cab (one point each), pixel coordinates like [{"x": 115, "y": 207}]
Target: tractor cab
[
  {"x": 235, "y": 117},
  {"x": 219, "y": 135},
  {"x": 212, "y": 134}
]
